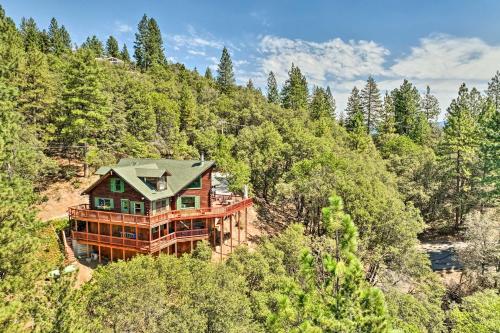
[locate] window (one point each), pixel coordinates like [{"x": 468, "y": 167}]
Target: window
[
  {"x": 196, "y": 183},
  {"x": 189, "y": 202},
  {"x": 103, "y": 203},
  {"x": 125, "y": 205},
  {"x": 117, "y": 185},
  {"x": 137, "y": 207}
]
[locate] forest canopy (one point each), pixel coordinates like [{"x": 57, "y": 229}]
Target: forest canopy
[{"x": 355, "y": 188}]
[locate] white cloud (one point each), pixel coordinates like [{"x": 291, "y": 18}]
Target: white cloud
[
  {"x": 446, "y": 57},
  {"x": 196, "y": 53},
  {"x": 196, "y": 40},
  {"x": 122, "y": 27},
  {"x": 322, "y": 62},
  {"x": 441, "y": 61}
]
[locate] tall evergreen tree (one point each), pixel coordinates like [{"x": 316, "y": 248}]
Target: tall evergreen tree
[
  {"x": 385, "y": 123},
  {"x": 406, "y": 101},
  {"x": 140, "y": 43},
  {"x": 59, "y": 38},
  {"x": 372, "y": 104},
  {"x": 295, "y": 93},
  {"x": 225, "y": 74},
  {"x": 272, "y": 89},
  {"x": 250, "y": 85},
  {"x": 148, "y": 45},
  {"x": 187, "y": 110},
  {"x": 331, "y": 101},
  {"x": 154, "y": 46},
  {"x": 36, "y": 97},
  {"x": 354, "y": 112},
  {"x": 124, "y": 55},
  {"x": 459, "y": 153},
  {"x": 86, "y": 113},
  {"x": 320, "y": 105},
  {"x": 31, "y": 35},
  {"x": 112, "y": 49},
  {"x": 208, "y": 74},
  {"x": 95, "y": 45},
  {"x": 430, "y": 106}
]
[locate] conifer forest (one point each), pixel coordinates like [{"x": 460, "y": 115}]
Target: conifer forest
[{"x": 349, "y": 194}]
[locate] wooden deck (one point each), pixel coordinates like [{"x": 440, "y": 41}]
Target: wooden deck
[
  {"x": 142, "y": 245},
  {"x": 84, "y": 213}
]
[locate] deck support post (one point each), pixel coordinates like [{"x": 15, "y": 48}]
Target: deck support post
[
  {"x": 221, "y": 236},
  {"x": 111, "y": 252},
  {"x": 239, "y": 227},
  {"x": 136, "y": 236},
  {"x": 176, "y": 248},
  {"x": 99, "y": 250},
  {"x": 246, "y": 225},
  {"x": 214, "y": 231},
  {"x": 231, "y": 232}
]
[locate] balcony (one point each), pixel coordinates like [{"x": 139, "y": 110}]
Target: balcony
[
  {"x": 84, "y": 213},
  {"x": 142, "y": 245}
]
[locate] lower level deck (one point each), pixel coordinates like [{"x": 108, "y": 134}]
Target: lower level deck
[{"x": 108, "y": 241}]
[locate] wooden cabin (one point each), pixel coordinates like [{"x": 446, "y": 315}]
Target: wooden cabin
[{"x": 154, "y": 206}]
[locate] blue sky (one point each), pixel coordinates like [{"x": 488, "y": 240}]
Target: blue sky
[{"x": 336, "y": 43}]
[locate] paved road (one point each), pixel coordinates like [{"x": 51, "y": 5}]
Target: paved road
[{"x": 443, "y": 256}]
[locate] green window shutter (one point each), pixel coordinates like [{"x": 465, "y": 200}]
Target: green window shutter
[
  {"x": 142, "y": 208},
  {"x": 153, "y": 206},
  {"x": 197, "y": 202},
  {"x": 122, "y": 186},
  {"x": 111, "y": 203},
  {"x": 96, "y": 202},
  {"x": 178, "y": 203},
  {"x": 113, "y": 183}
]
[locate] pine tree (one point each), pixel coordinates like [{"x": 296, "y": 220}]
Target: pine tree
[
  {"x": 208, "y": 74},
  {"x": 124, "y": 55},
  {"x": 385, "y": 123},
  {"x": 331, "y": 101},
  {"x": 459, "y": 153},
  {"x": 250, "y": 85},
  {"x": 493, "y": 90},
  {"x": 372, "y": 104},
  {"x": 95, "y": 45},
  {"x": 225, "y": 74},
  {"x": 148, "y": 45},
  {"x": 112, "y": 49},
  {"x": 320, "y": 105},
  {"x": 272, "y": 89},
  {"x": 187, "y": 110},
  {"x": 406, "y": 101},
  {"x": 140, "y": 42},
  {"x": 86, "y": 113},
  {"x": 295, "y": 92},
  {"x": 36, "y": 92},
  {"x": 31, "y": 35},
  {"x": 59, "y": 39},
  {"x": 154, "y": 46},
  {"x": 430, "y": 106},
  {"x": 354, "y": 112}
]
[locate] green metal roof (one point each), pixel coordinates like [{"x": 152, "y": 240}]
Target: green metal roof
[{"x": 179, "y": 174}]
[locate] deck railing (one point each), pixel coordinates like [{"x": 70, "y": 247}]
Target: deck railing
[
  {"x": 83, "y": 212},
  {"x": 151, "y": 246}
]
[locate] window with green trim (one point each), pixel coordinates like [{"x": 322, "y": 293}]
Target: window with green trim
[
  {"x": 117, "y": 185},
  {"x": 188, "y": 202},
  {"x": 196, "y": 183},
  {"x": 103, "y": 203}
]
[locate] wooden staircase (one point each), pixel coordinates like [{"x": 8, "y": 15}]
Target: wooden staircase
[{"x": 68, "y": 250}]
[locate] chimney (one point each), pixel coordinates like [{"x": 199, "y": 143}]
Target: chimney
[{"x": 202, "y": 158}]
